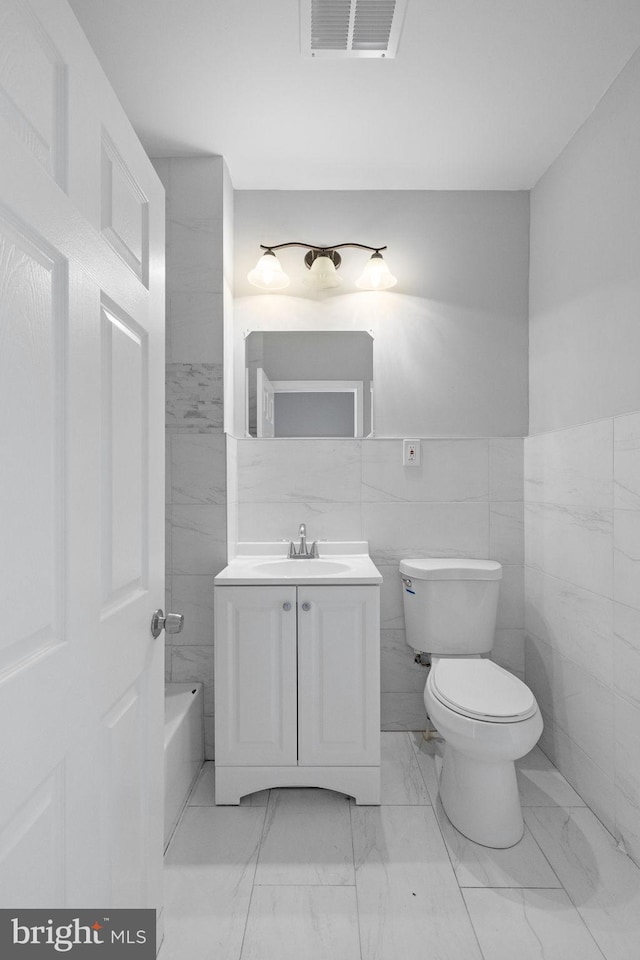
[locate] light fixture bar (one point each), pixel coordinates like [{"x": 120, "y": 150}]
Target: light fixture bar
[{"x": 318, "y": 246}]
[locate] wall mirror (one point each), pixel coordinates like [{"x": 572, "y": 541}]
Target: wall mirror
[{"x": 309, "y": 383}]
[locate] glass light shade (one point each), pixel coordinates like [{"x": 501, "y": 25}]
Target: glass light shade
[
  {"x": 268, "y": 273},
  {"x": 376, "y": 275},
  {"x": 322, "y": 274}
]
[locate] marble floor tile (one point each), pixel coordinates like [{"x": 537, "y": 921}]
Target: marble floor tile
[
  {"x": 306, "y": 874},
  {"x": 429, "y": 754},
  {"x": 203, "y": 793},
  {"x": 543, "y": 924},
  {"x": 523, "y": 865},
  {"x": 400, "y": 777},
  {"x": 410, "y": 906},
  {"x": 307, "y": 839},
  {"x": 402, "y": 711},
  {"x": 209, "y": 872},
  {"x": 294, "y": 922},
  {"x": 541, "y": 785},
  {"x": 603, "y": 882}
]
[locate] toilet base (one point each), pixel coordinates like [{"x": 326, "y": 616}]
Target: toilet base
[{"x": 481, "y": 798}]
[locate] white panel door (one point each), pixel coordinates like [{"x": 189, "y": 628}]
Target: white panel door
[
  {"x": 81, "y": 478},
  {"x": 255, "y": 676},
  {"x": 338, "y": 675}
]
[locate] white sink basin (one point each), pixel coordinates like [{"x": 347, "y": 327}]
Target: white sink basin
[
  {"x": 293, "y": 568},
  {"x": 340, "y": 562}
]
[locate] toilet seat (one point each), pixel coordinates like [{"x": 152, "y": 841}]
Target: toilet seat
[{"x": 481, "y": 690}]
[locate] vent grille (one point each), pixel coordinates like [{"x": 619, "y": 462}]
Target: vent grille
[{"x": 351, "y": 28}]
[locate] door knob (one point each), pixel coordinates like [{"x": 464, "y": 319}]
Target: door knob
[{"x": 172, "y": 623}]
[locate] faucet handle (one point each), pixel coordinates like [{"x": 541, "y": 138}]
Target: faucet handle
[
  {"x": 314, "y": 549},
  {"x": 292, "y": 549}
]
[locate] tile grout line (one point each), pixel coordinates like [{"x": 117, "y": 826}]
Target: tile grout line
[
  {"x": 415, "y": 753},
  {"x": 304, "y": 886},
  {"x": 575, "y": 904},
  {"x": 453, "y": 869},
  {"x": 483, "y": 886},
  {"x": 355, "y": 881},
  {"x": 253, "y": 882}
]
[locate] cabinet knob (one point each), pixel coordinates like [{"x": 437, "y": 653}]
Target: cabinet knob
[
  {"x": 306, "y": 606},
  {"x": 286, "y": 606}
]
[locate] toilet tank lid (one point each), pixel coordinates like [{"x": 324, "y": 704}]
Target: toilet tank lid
[{"x": 450, "y": 568}]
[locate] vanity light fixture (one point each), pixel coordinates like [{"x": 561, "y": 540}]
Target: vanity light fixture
[{"x": 323, "y": 263}]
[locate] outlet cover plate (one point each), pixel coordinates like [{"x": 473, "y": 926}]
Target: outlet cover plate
[{"x": 411, "y": 453}]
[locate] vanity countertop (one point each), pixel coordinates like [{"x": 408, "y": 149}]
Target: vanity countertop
[{"x": 340, "y": 562}]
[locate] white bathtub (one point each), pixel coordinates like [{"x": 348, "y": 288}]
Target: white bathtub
[{"x": 183, "y": 748}]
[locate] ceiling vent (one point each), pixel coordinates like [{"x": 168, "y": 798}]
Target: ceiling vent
[{"x": 351, "y": 28}]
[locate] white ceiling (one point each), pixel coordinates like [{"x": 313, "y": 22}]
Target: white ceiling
[{"x": 483, "y": 94}]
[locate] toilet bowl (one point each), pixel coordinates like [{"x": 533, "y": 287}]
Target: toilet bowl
[{"x": 487, "y": 717}]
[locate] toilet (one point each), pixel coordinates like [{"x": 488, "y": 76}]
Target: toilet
[{"x": 487, "y": 717}]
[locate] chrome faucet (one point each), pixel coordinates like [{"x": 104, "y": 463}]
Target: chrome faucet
[{"x": 303, "y": 552}]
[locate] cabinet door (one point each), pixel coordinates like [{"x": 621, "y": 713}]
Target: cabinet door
[
  {"x": 338, "y": 675},
  {"x": 255, "y": 675}
]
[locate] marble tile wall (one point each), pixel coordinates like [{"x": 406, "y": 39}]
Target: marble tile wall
[
  {"x": 464, "y": 500},
  {"x": 196, "y": 486},
  {"x": 582, "y": 573}
]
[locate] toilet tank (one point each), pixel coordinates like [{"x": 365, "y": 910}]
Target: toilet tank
[{"x": 450, "y": 605}]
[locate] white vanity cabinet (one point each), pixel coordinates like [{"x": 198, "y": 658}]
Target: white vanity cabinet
[
  {"x": 255, "y": 675},
  {"x": 297, "y": 689}
]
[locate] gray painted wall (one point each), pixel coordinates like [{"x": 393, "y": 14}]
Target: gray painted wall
[
  {"x": 450, "y": 351},
  {"x": 585, "y": 280}
]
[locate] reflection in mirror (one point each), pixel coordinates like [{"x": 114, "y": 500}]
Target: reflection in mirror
[{"x": 309, "y": 384}]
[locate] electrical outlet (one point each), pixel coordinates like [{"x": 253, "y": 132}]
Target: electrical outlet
[{"x": 411, "y": 453}]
